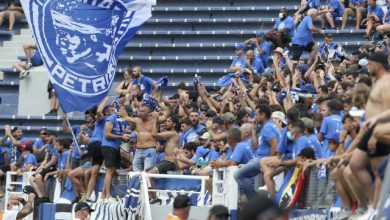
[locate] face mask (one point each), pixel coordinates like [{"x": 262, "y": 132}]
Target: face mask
[
  {"x": 290, "y": 136},
  {"x": 281, "y": 15}
]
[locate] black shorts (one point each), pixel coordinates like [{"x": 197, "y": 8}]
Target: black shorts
[
  {"x": 166, "y": 166},
  {"x": 44, "y": 172},
  {"x": 381, "y": 148},
  {"x": 297, "y": 50},
  {"x": 95, "y": 152},
  {"x": 112, "y": 157},
  {"x": 5, "y": 168}
]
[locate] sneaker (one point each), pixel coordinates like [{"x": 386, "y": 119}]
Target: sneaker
[
  {"x": 368, "y": 215},
  {"x": 23, "y": 74},
  {"x": 358, "y": 212},
  {"x": 28, "y": 66},
  {"x": 343, "y": 214},
  {"x": 155, "y": 201}
]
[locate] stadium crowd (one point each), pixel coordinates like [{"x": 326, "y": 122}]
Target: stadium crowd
[{"x": 328, "y": 112}]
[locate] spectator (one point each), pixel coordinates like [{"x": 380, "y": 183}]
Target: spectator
[
  {"x": 146, "y": 84},
  {"x": 82, "y": 211},
  {"x": 374, "y": 17},
  {"x": 123, "y": 87},
  {"x": 218, "y": 212},
  {"x": 40, "y": 145},
  {"x": 10, "y": 213},
  {"x": 356, "y": 8},
  {"x": 181, "y": 208},
  {"x": 261, "y": 207},
  {"x": 306, "y": 5},
  {"x": 330, "y": 50},
  {"x": 34, "y": 59},
  {"x": 13, "y": 13},
  {"x": 333, "y": 10},
  {"x": 283, "y": 29},
  {"x": 239, "y": 62},
  {"x": 254, "y": 64},
  {"x": 48, "y": 165},
  {"x": 303, "y": 39},
  {"x": 54, "y": 102},
  {"x": 261, "y": 47}
]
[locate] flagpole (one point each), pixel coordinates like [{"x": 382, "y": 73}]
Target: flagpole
[{"x": 73, "y": 136}]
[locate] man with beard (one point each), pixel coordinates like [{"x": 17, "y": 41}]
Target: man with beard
[
  {"x": 194, "y": 117},
  {"x": 146, "y": 84},
  {"x": 145, "y": 154}
]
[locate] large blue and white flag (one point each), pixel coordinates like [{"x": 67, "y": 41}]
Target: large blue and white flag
[{"x": 80, "y": 42}]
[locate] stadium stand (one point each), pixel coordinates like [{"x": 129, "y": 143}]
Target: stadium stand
[{"x": 182, "y": 39}]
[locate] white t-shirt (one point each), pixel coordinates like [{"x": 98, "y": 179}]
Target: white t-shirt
[{"x": 10, "y": 215}]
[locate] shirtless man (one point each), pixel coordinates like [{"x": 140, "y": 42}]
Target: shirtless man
[
  {"x": 169, "y": 163},
  {"x": 366, "y": 148},
  {"x": 145, "y": 154}
]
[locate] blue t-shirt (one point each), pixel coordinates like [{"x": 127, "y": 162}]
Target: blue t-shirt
[
  {"x": 265, "y": 46},
  {"x": 387, "y": 21},
  {"x": 38, "y": 143},
  {"x": 285, "y": 145},
  {"x": 336, "y": 6},
  {"x": 3, "y": 151},
  {"x": 377, "y": 11},
  {"x": 299, "y": 144},
  {"x": 313, "y": 3},
  {"x": 30, "y": 159},
  {"x": 205, "y": 154},
  {"x": 14, "y": 152},
  {"x": 62, "y": 159},
  {"x": 199, "y": 128},
  {"x": 331, "y": 126},
  {"x": 189, "y": 136},
  {"x": 348, "y": 142},
  {"x": 98, "y": 131},
  {"x": 303, "y": 35},
  {"x": 287, "y": 22},
  {"x": 146, "y": 84},
  {"x": 316, "y": 145},
  {"x": 239, "y": 62},
  {"x": 76, "y": 131},
  {"x": 50, "y": 152},
  {"x": 268, "y": 132},
  {"x": 356, "y": 3},
  {"x": 118, "y": 128},
  {"x": 160, "y": 157},
  {"x": 258, "y": 66},
  {"x": 242, "y": 153}
]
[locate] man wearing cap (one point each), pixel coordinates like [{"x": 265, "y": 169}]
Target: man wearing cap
[
  {"x": 312, "y": 137},
  {"x": 364, "y": 149},
  {"x": 218, "y": 212},
  {"x": 260, "y": 46},
  {"x": 239, "y": 62},
  {"x": 303, "y": 37},
  {"x": 229, "y": 120},
  {"x": 82, "y": 211},
  {"x": 279, "y": 119},
  {"x": 181, "y": 208}
]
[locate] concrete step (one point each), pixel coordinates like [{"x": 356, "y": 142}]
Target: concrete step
[
  {"x": 25, "y": 31},
  {"x": 9, "y": 98},
  {"x": 8, "y": 63},
  {"x": 8, "y": 109},
  {"x": 25, "y": 37},
  {"x": 8, "y": 56},
  {"x": 18, "y": 43},
  {"x": 9, "y": 49}
]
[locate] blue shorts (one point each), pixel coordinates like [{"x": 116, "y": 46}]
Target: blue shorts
[{"x": 36, "y": 60}]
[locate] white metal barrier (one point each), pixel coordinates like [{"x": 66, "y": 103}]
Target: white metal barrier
[
  {"x": 16, "y": 184},
  {"x": 225, "y": 188}
]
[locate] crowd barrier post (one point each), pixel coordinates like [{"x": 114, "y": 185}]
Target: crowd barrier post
[
  {"x": 225, "y": 188},
  {"x": 385, "y": 193}
]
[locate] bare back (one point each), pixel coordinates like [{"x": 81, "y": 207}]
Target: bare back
[{"x": 171, "y": 148}]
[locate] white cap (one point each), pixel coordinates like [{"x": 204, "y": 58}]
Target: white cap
[
  {"x": 355, "y": 112},
  {"x": 363, "y": 62},
  {"x": 279, "y": 115},
  {"x": 205, "y": 136}
]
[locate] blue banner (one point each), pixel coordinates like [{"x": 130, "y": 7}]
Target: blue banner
[{"x": 80, "y": 42}]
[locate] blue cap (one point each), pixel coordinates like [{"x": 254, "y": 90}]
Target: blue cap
[
  {"x": 260, "y": 34},
  {"x": 308, "y": 88},
  {"x": 240, "y": 47},
  {"x": 302, "y": 68},
  {"x": 149, "y": 102}
]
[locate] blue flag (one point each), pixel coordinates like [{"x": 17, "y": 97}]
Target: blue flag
[{"x": 80, "y": 42}]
